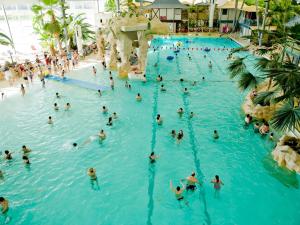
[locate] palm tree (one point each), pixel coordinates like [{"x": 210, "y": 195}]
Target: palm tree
[{"x": 5, "y": 40}]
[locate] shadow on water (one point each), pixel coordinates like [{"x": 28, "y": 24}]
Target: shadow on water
[{"x": 284, "y": 176}]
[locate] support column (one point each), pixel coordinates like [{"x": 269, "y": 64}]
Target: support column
[
  {"x": 9, "y": 30},
  {"x": 211, "y": 13}
]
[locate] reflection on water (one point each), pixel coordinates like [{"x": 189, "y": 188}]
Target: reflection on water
[{"x": 283, "y": 175}]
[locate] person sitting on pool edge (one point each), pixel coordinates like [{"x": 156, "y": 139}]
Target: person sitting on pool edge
[
  {"x": 153, "y": 157},
  {"x": 138, "y": 97},
  {"x": 180, "y": 112},
  {"x": 216, "y": 135},
  {"x": 110, "y": 121},
  {"x": 25, "y": 149},
  {"x": 104, "y": 109},
  {"x": 159, "y": 119},
  {"x": 191, "y": 182}
]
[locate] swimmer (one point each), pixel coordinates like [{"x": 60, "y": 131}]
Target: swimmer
[
  {"x": 50, "y": 120},
  {"x": 144, "y": 79},
  {"x": 248, "y": 119},
  {"x": 114, "y": 116},
  {"x": 271, "y": 137},
  {"x": 109, "y": 123},
  {"x": 191, "y": 115},
  {"x": 216, "y": 135},
  {"x": 191, "y": 182},
  {"x": 180, "y": 111},
  {"x": 74, "y": 144},
  {"x": 4, "y": 204},
  {"x": 162, "y": 88},
  {"x": 102, "y": 135},
  {"x": 194, "y": 83},
  {"x": 22, "y": 89},
  {"x": 99, "y": 92},
  {"x": 57, "y": 95},
  {"x": 26, "y": 160},
  {"x": 155, "y": 65},
  {"x": 185, "y": 91},
  {"x": 204, "y": 56},
  {"x": 173, "y": 133},
  {"x": 264, "y": 129},
  {"x": 210, "y": 64},
  {"x": 217, "y": 184},
  {"x": 67, "y": 106},
  {"x": 153, "y": 157},
  {"x": 159, "y": 119},
  {"x": 25, "y": 149},
  {"x": 129, "y": 86},
  {"x": 56, "y": 107},
  {"x": 112, "y": 83},
  {"x": 138, "y": 97},
  {"x": 7, "y": 155},
  {"x": 180, "y": 135},
  {"x": 94, "y": 70},
  {"x": 104, "y": 109},
  {"x": 256, "y": 127},
  {"x": 159, "y": 78},
  {"x": 92, "y": 173},
  {"x": 2, "y": 95},
  {"x": 178, "y": 191},
  {"x": 203, "y": 78},
  {"x": 126, "y": 84},
  {"x": 1, "y": 174},
  {"x": 181, "y": 80}
]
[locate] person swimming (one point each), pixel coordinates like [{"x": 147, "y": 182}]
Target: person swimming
[
  {"x": 7, "y": 155},
  {"x": 67, "y": 106},
  {"x": 110, "y": 121},
  {"x": 22, "y": 90},
  {"x": 25, "y": 149},
  {"x": 203, "y": 78},
  {"x": 159, "y": 78},
  {"x": 185, "y": 91},
  {"x": 50, "y": 120},
  {"x": 112, "y": 83},
  {"x": 178, "y": 191},
  {"x": 180, "y": 112},
  {"x": 102, "y": 135},
  {"x": 191, "y": 182},
  {"x": 256, "y": 128},
  {"x": 126, "y": 84},
  {"x": 129, "y": 86},
  {"x": 215, "y": 135},
  {"x": 271, "y": 137},
  {"x": 248, "y": 119},
  {"x": 94, "y": 70},
  {"x": 56, "y": 107},
  {"x": 217, "y": 184},
  {"x": 144, "y": 79},
  {"x": 173, "y": 133},
  {"x": 194, "y": 83},
  {"x": 181, "y": 80},
  {"x": 191, "y": 115},
  {"x": 4, "y": 204},
  {"x": 210, "y": 64},
  {"x": 99, "y": 93},
  {"x": 114, "y": 116},
  {"x": 104, "y": 109},
  {"x": 57, "y": 95},
  {"x": 26, "y": 159},
  {"x": 162, "y": 88},
  {"x": 74, "y": 144},
  {"x": 92, "y": 174},
  {"x": 180, "y": 135},
  {"x": 159, "y": 119},
  {"x": 138, "y": 97},
  {"x": 153, "y": 157}
]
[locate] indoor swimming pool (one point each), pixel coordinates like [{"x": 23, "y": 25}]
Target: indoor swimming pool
[{"x": 55, "y": 189}]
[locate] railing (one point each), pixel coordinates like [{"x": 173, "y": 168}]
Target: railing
[{"x": 249, "y": 22}]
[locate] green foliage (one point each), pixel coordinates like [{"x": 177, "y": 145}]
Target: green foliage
[
  {"x": 237, "y": 67},
  {"x": 265, "y": 97},
  {"x": 110, "y": 6},
  {"x": 5, "y": 40},
  {"x": 287, "y": 117},
  {"x": 247, "y": 80}
]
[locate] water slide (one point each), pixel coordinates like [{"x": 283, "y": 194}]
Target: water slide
[{"x": 78, "y": 83}]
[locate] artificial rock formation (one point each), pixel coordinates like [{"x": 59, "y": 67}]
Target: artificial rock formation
[
  {"x": 285, "y": 155},
  {"x": 100, "y": 45}
]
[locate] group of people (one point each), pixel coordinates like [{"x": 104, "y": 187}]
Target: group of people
[{"x": 263, "y": 129}]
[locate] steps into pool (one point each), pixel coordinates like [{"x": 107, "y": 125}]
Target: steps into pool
[{"x": 78, "y": 83}]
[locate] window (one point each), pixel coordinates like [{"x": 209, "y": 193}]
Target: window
[{"x": 224, "y": 12}]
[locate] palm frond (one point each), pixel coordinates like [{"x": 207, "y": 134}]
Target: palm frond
[
  {"x": 287, "y": 117},
  {"x": 265, "y": 97},
  {"x": 247, "y": 80},
  {"x": 237, "y": 67},
  {"x": 241, "y": 49}
]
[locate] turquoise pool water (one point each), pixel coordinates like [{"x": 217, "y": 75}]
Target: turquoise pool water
[{"x": 56, "y": 190}]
